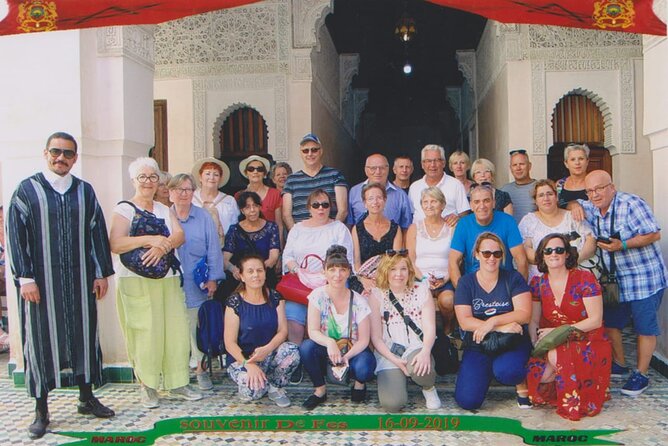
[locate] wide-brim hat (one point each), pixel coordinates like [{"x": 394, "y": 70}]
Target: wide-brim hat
[
  {"x": 224, "y": 178},
  {"x": 245, "y": 162}
]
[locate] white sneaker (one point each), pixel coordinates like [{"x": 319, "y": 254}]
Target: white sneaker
[
  {"x": 186, "y": 393},
  {"x": 148, "y": 397},
  {"x": 431, "y": 398},
  {"x": 204, "y": 381},
  {"x": 278, "y": 396}
]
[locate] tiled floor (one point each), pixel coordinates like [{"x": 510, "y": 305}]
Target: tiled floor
[{"x": 643, "y": 418}]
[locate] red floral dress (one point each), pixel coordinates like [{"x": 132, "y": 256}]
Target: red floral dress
[{"x": 583, "y": 363}]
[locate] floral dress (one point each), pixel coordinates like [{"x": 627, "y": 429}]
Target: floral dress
[{"x": 582, "y": 377}]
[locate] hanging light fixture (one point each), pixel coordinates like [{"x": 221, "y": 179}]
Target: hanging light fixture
[{"x": 405, "y": 29}]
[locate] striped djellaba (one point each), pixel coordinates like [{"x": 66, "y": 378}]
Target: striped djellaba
[{"x": 60, "y": 241}]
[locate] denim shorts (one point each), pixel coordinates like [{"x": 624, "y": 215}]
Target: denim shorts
[
  {"x": 447, "y": 286},
  {"x": 642, "y": 312},
  {"x": 295, "y": 312}
]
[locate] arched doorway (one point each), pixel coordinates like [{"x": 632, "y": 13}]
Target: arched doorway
[
  {"x": 242, "y": 133},
  {"x": 577, "y": 119}
]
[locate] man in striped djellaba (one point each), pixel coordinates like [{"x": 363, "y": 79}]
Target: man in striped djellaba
[{"x": 60, "y": 259}]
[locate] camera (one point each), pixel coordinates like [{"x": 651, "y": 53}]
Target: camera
[{"x": 397, "y": 349}]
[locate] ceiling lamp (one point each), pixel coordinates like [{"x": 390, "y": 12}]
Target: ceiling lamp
[{"x": 405, "y": 29}]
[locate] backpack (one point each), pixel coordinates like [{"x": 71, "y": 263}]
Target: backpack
[{"x": 210, "y": 331}]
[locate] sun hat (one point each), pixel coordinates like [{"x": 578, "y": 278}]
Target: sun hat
[
  {"x": 224, "y": 178},
  {"x": 245, "y": 162}
]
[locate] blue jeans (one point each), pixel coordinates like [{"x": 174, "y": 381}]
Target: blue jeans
[
  {"x": 314, "y": 359},
  {"x": 477, "y": 369}
]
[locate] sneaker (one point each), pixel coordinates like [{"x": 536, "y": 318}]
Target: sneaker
[
  {"x": 523, "y": 402},
  {"x": 431, "y": 398},
  {"x": 278, "y": 396},
  {"x": 186, "y": 393},
  {"x": 297, "y": 376},
  {"x": 204, "y": 381},
  {"x": 618, "y": 371},
  {"x": 148, "y": 397},
  {"x": 636, "y": 384}
]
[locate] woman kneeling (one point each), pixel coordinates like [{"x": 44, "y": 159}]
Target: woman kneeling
[
  {"x": 334, "y": 313},
  {"x": 403, "y": 330},
  {"x": 255, "y": 334},
  {"x": 491, "y": 304}
]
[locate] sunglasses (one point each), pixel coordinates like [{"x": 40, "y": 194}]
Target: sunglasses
[
  {"x": 306, "y": 150},
  {"x": 399, "y": 252},
  {"x": 67, "y": 153},
  {"x": 558, "y": 250},
  {"x": 485, "y": 184},
  {"x": 516, "y": 151},
  {"x": 316, "y": 205},
  {"x": 256, "y": 169},
  {"x": 496, "y": 254}
]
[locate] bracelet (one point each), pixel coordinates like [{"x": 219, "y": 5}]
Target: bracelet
[
  {"x": 243, "y": 363},
  {"x": 624, "y": 247}
]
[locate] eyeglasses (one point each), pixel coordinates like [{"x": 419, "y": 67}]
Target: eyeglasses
[
  {"x": 548, "y": 194},
  {"x": 398, "y": 252},
  {"x": 316, "y": 205},
  {"x": 153, "y": 178},
  {"x": 496, "y": 254},
  {"x": 596, "y": 190},
  {"x": 256, "y": 169},
  {"x": 375, "y": 168},
  {"x": 67, "y": 153},
  {"x": 516, "y": 151},
  {"x": 558, "y": 250},
  {"x": 430, "y": 161},
  {"x": 183, "y": 190},
  {"x": 306, "y": 150}
]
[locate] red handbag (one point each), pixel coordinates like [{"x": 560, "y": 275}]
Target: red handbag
[{"x": 292, "y": 289}]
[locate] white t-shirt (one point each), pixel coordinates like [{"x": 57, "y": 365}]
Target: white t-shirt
[
  {"x": 126, "y": 211},
  {"x": 455, "y": 196},
  {"x": 431, "y": 253},
  {"x": 303, "y": 240},
  {"x": 394, "y": 328}
]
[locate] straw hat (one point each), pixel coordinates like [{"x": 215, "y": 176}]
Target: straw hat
[
  {"x": 245, "y": 162},
  {"x": 224, "y": 178}
]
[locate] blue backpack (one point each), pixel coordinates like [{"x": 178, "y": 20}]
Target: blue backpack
[{"x": 210, "y": 331}]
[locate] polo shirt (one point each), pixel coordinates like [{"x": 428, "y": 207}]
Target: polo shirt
[
  {"x": 455, "y": 196},
  {"x": 300, "y": 185},
  {"x": 398, "y": 207}
]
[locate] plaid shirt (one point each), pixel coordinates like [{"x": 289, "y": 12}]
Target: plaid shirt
[{"x": 641, "y": 272}]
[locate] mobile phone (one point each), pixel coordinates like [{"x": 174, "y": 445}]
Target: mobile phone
[{"x": 603, "y": 240}]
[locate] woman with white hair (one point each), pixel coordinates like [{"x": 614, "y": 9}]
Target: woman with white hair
[
  {"x": 572, "y": 187},
  {"x": 482, "y": 171},
  {"x": 152, "y": 312},
  {"x": 428, "y": 244}
]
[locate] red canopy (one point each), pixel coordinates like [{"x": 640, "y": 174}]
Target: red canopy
[{"x": 49, "y": 15}]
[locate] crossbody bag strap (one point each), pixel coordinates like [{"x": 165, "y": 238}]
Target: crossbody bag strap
[
  {"x": 613, "y": 266},
  {"x": 350, "y": 318},
  {"x": 407, "y": 319}
]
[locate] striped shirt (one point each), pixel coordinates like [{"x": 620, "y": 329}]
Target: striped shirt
[
  {"x": 300, "y": 185},
  {"x": 641, "y": 272},
  {"x": 520, "y": 194}
]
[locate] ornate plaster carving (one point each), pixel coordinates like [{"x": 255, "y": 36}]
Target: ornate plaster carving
[
  {"x": 453, "y": 95},
  {"x": 541, "y": 36},
  {"x": 467, "y": 65},
  {"x": 626, "y": 89},
  {"x": 276, "y": 126},
  {"x": 250, "y": 39},
  {"x": 301, "y": 68},
  {"x": 134, "y": 42},
  {"x": 361, "y": 98},
  {"x": 348, "y": 67},
  {"x": 215, "y": 135},
  {"x": 308, "y": 16}
]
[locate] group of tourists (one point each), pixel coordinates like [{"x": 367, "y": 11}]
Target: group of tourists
[{"x": 390, "y": 267}]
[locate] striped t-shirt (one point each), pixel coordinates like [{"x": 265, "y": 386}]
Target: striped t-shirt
[{"x": 300, "y": 185}]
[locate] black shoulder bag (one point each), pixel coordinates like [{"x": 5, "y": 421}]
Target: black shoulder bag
[
  {"x": 495, "y": 342},
  {"x": 608, "y": 279}
]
